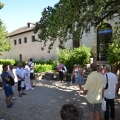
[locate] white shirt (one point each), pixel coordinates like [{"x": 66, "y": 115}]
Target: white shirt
[
  {"x": 31, "y": 65},
  {"x": 27, "y": 70},
  {"x": 20, "y": 72},
  {"x": 109, "y": 93},
  {"x": 11, "y": 73}
]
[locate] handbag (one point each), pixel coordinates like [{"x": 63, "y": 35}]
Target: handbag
[
  {"x": 106, "y": 87},
  {"x": 11, "y": 82},
  {"x": 22, "y": 84},
  {"x": 103, "y": 105}
]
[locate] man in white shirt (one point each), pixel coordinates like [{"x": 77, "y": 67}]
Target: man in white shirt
[
  {"x": 10, "y": 71},
  {"x": 20, "y": 78},
  {"x": 31, "y": 65},
  {"x": 110, "y": 92}
]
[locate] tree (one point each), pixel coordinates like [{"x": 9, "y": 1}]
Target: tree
[
  {"x": 5, "y": 44},
  {"x": 70, "y": 18}
]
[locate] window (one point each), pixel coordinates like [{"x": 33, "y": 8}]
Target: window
[
  {"x": 15, "y": 42},
  {"x": 33, "y": 38},
  {"x": 25, "y": 39},
  {"x": 19, "y": 41}
]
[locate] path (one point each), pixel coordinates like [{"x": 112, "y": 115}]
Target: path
[{"x": 44, "y": 102}]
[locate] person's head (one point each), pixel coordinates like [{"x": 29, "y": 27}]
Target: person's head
[
  {"x": 30, "y": 59},
  {"x": 79, "y": 65},
  {"x": 100, "y": 67},
  {"x": 107, "y": 68},
  {"x": 20, "y": 65},
  {"x": 69, "y": 112},
  {"x": 5, "y": 67},
  {"x": 93, "y": 67},
  {"x": 75, "y": 66},
  {"x": 10, "y": 67},
  {"x": 26, "y": 62}
]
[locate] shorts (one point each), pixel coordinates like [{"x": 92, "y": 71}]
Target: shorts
[
  {"x": 19, "y": 86},
  {"x": 93, "y": 107},
  {"x": 8, "y": 91},
  {"x": 31, "y": 76}
]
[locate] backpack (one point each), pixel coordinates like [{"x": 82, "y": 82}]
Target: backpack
[{"x": 11, "y": 82}]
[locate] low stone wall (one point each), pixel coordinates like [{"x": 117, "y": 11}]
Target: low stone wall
[{"x": 52, "y": 76}]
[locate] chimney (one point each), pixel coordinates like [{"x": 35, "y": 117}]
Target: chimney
[{"x": 28, "y": 24}]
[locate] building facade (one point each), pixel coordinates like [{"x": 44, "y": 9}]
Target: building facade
[{"x": 24, "y": 46}]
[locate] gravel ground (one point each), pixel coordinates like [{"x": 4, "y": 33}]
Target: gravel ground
[{"x": 45, "y": 101}]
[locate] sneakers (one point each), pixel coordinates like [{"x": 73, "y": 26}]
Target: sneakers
[{"x": 9, "y": 106}]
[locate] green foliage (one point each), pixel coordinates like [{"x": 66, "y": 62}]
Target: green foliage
[
  {"x": 48, "y": 62},
  {"x": 7, "y": 61},
  {"x": 113, "y": 53},
  {"x": 5, "y": 44},
  {"x": 43, "y": 68},
  {"x": 69, "y": 57},
  {"x": 70, "y": 18}
]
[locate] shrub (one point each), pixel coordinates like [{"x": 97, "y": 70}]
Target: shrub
[
  {"x": 42, "y": 68},
  {"x": 77, "y": 55},
  {"x": 48, "y": 62},
  {"x": 7, "y": 61},
  {"x": 113, "y": 53}
]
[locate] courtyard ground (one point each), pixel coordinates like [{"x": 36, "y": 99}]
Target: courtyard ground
[{"x": 45, "y": 101}]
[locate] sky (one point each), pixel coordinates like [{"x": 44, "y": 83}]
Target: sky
[{"x": 17, "y": 13}]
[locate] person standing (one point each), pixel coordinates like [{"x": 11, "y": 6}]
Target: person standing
[
  {"x": 31, "y": 65},
  {"x": 10, "y": 71},
  {"x": 60, "y": 68},
  {"x": 80, "y": 78},
  {"x": 21, "y": 79},
  {"x": 110, "y": 92},
  {"x": 27, "y": 76},
  {"x": 7, "y": 88},
  {"x": 93, "y": 87}
]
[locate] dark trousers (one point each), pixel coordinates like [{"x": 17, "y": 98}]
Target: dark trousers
[
  {"x": 61, "y": 75},
  {"x": 109, "y": 103}
]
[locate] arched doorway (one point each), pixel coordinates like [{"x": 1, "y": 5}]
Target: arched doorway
[{"x": 104, "y": 35}]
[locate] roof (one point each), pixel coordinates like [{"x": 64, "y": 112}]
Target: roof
[{"x": 21, "y": 30}]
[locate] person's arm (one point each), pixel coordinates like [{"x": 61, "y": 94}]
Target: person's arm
[
  {"x": 7, "y": 79},
  {"x": 4, "y": 77},
  {"x": 116, "y": 91},
  {"x": 103, "y": 93},
  {"x": 87, "y": 85},
  {"x": 19, "y": 77},
  {"x": 17, "y": 74}
]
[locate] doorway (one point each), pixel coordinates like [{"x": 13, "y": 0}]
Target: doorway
[
  {"x": 20, "y": 57},
  {"x": 104, "y": 35}
]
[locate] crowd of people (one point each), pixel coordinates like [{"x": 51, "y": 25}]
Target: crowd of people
[
  {"x": 101, "y": 83},
  {"x": 25, "y": 77}
]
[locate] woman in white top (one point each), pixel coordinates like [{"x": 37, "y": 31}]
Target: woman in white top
[{"x": 27, "y": 76}]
